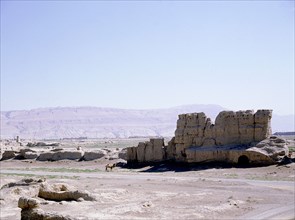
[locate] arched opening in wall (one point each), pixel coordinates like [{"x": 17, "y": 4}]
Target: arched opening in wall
[{"x": 243, "y": 161}]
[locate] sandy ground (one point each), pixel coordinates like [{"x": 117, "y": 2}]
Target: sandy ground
[{"x": 159, "y": 192}]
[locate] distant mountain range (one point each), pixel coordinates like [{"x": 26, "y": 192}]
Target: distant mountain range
[{"x": 94, "y": 122}]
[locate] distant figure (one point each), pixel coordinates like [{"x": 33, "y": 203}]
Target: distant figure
[
  {"x": 110, "y": 166},
  {"x": 79, "y": 148},
  {"x": 290, "y": 154}
]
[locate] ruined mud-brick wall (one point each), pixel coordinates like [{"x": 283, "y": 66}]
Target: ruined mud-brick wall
[
  {"x": 149, "y": 151},
  {"x": 230, "y": 128},
  {"x": 195, "y": 129}
]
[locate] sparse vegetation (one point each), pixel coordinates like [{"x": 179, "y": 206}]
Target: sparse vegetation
[
  {"x": 66, "y": 170},
  {"x": 59, "y": 170},
  {"x": 42, "y": 176},
  {"x": 269, "y": 178},
  {"x": 291, "y": 148},
  {"x": 231, "y": 175}
]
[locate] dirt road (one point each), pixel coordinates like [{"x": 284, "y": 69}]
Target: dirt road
[{"x": 134, "y": 194}]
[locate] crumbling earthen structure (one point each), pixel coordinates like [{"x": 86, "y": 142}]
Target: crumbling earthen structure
[
  {"x": 149, "y": 151},
  {"x": 59, "y": 192},
  {"x": 230, "y": 128},
  {"x": 233, "y": 135}
]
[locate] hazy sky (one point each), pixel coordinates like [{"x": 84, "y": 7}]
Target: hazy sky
[{"x": 150, "y": 54}]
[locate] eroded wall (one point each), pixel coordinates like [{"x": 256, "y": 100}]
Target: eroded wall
[
  {"x": 149, "y": 151},
  {"x": 231, "y": 128}
]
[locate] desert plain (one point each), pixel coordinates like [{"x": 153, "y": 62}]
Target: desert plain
[{"x": 160, "y": 191}]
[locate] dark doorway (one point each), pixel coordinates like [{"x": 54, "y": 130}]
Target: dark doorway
[{"x": 243, "y": 160}]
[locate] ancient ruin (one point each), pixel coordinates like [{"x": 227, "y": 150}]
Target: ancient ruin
[
  {"x": 235, "y": 137},
  {"x": 32, "y": 205},
  {"x": 149, "y": 151},
  {"x": 57, "y": 154}
]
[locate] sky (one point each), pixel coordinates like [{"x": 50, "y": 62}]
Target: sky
[{"x": 147, "y": 54}]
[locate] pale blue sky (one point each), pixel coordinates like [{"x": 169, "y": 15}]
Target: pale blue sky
[{"x": 135, "y": 54}]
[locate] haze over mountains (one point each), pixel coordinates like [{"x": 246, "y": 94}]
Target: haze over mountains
[{"x": 95, "y": 122}]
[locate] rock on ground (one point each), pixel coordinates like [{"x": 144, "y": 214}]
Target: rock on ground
[
  {"x": 8, "y": 154},
  {"x": 61, "y": 192},
  {"x": 93, "y": 155}
]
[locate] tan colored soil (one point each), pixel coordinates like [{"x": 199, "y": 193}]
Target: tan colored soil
[{"x": 160, "y": 192}]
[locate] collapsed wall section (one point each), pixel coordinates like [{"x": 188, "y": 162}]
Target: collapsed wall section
[{"x": 146, "y": 152}]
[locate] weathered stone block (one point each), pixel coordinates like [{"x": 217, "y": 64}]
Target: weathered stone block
[
  {"x": 149, "y": 152},
  {"x": 262, "y": 124},
  {"x": 158, "y": 147},
  {"x": 132, "y": 154},
  {"x": 140, "y": 152}
]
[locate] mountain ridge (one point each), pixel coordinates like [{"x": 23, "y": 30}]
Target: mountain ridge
[{"x": 105, "y": 122}]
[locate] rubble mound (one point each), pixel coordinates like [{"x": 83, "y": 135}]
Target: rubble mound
[
  {"x": 62, "y": 192},
  {"x": 27, "y": 203},
  {"x": 32, "y": 204},
  {"x": 24, "y": 182},
  {"x": 30, "y": 211}
]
